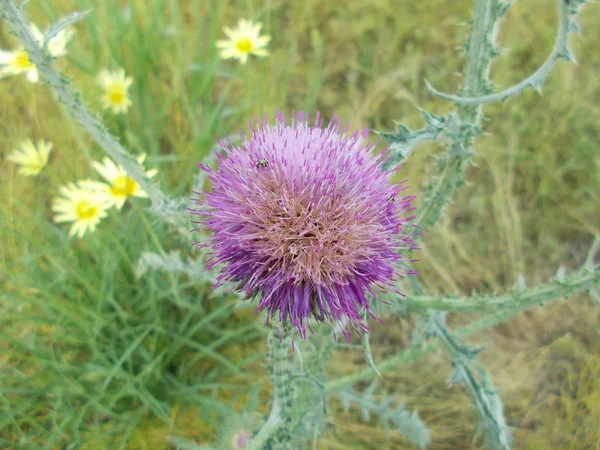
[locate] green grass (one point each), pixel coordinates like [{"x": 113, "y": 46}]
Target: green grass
[{"x": 93, "y": 354}]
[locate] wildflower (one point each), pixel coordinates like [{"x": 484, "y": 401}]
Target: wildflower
[
  {"x": 243, "y": 41},
  {"x": 241, "y": 439},
  {"x": 81, "y": 205},
  {"x": 120, "y": 185},
  {"x": 32, "y": 159},
  {"x": 305, "y": 217},
  {"x": 116, "y": 85},
  {"x": 17, "y": 61},
  {"x": 237, "y": 433}
]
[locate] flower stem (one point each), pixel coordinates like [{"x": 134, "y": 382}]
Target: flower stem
[{"x": 276, "y": 426}]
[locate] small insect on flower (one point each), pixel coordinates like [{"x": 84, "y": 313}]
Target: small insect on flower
[
  {"x": 82, "y": 206},
  {"x": 317, "y": 235},
  {"x": 243, "y": 41},
  {"x": 32, "y": 159},
  {"x": 17, "y": 61},
  {"x": 261, "y": 163},
  {"x": 116, "y": 90},
  {"x": 120, "y": 185}
]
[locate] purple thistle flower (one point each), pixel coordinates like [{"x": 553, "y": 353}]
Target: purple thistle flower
[{"x": 306, "y": 217}]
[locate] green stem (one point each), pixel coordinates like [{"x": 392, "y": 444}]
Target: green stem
[
  {"x": 476, "y": 75},
  {"x": 580, "y": 280},
  {"x": 484, "y": 395},
  {"x": 281, "y": 378},
  {"x": 570, "y": 286},
  {"x": 268, "y": 429},
  {"x": 536, "y": 79},
  {"x": 413, "y": 354},
  {"x": 66, "y": 94}
]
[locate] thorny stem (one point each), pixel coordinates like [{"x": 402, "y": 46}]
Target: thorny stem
[
  {"x": 480, "y": 52},
  {"x": 281, "y": 377},
  {"x": 415, "y": 353},
  {"x": 535, "y": 80},
  {"x": 14, "y": 17},
  {"x": 484, "y": 394},
  {"x": 583, "y": 281},
  {"x": 268, "y": 429},
  {"x": 578, "y": 281}
]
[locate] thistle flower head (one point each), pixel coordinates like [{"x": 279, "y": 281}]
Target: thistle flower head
[{"x": 306, "y": 217}]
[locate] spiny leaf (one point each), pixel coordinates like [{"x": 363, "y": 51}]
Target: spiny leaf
[
  {"x": 568, "y": 9},
  {"x": 561, "y": 274},
  {"x": 368, "y": 355},
  {"x": 63, "y": 25},
  {"x": 404, "y": 140},
  {"x": 406, "y": 422}
]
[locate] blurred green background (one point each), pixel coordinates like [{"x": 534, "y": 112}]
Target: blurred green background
[{"x": 95, "y": 355}]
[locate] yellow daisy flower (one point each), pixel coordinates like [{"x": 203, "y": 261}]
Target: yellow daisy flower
[
  {"x": 17, "y": 61},
  {"x": 120, "y": 185},
  {"x": 82, "y": 206},
  {"x": 243, "y": 41},
  {"x": 32, "y": 159},
  {"x": 116, "y": 85}
]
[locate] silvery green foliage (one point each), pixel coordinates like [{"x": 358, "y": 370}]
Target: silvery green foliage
[
  {"x": 173, "y": 212},
  {"x": 402, "y": 142},
  {"x": 367, "y": 349},
  {"x": 566, "y": 25},
  {"x": 465, "y": 370},
  {"x": 563, "y": 285},
  {"x": 310, "y": 405},
  {"x": 276, "y": 433},
  {"x": 62, "y": 25},
  {"x": 172, "y": 262},
  {"x": 391, "y": 417},
  {"x": 459, "y": 129}
]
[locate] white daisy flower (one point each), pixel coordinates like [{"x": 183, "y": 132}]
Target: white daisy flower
[
  {"x": 32, "y": 159},
  {"x": 243, "y": 41},
  {"x": 120, "y": 184},
  {"x": 17, "y": 61},
  {"x": 82, "y": 206},
  {"x": 116, "y": 86}
]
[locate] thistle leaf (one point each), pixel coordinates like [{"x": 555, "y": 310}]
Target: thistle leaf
[
  {"x": 391, "y": 418},
  {"x": 63, "y": 25}
]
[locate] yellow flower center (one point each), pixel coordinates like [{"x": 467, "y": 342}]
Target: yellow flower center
[
  {"x": 244, "y": 45},
  {"x": 21, "y": 60},
  {"x": 36, "y": 166},
  {"x": 116, "y": 95},
  {"x": 123, "y": 186},
  {"x": 86, "y": 211}
]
